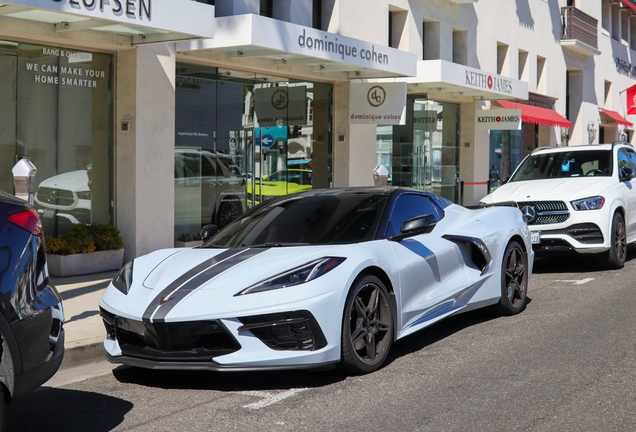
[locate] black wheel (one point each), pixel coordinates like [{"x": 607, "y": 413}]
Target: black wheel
[
  {"x": 367, "y": 327},
  {"x": 228, "y": 211},
  {"x": 614, "y": 258},
  {"x": 514, "y": 280}
]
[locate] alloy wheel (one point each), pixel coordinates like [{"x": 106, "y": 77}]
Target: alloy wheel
[
  {"x": 370, "y": 323},
  {"x": 514, "y": 277}
]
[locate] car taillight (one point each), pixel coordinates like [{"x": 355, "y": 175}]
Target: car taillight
[{"x": 28, "y": 220}]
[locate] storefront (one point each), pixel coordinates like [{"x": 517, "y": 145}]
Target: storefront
[
  {"x": 272, "y": 112},
  {"x": 242, "y": 138},
  {"x": 62, "y": 68},
  {"x": 440, "y": 146}
]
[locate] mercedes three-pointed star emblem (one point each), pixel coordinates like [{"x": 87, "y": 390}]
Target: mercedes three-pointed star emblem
[{"x": 529, "y": 213}]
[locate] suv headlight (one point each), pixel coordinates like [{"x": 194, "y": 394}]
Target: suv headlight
[
  {"x": 123, "y": 280},
  {"x": 593, "y": 203},
  {"x": 297, "y": 276}
]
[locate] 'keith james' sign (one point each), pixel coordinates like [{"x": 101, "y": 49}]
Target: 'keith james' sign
[{"x": 498, "y": 119}]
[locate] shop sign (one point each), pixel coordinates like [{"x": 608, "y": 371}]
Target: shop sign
[
  {"x": 167, "y": 15},
  {"x": 498, "y": 119},
  {"x": 281, "y": 106},
  {"x": 378, "y": 103}
]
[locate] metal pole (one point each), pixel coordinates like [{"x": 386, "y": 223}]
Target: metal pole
[
  {"x": 260, "y": 178},
  {"x": 461, "y": 189}
]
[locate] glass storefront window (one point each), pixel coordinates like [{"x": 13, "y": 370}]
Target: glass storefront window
[
  {"x": 506, "y": 153},
  {"x": 57, "y": 112},
  {"x": 424, "y": 153},
  {"x": 259, "y": 137}
]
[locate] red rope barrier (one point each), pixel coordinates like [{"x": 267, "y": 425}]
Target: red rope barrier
[{"x": 475, "y": 183}]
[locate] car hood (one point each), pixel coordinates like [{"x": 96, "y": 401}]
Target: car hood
[
  {"x": 237, "y": 268},
  {"x": 564, "y": 189},
  {"x": 73, "y": 181}
]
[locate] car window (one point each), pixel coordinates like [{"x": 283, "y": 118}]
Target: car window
[
  {"x": 278, "y": 176},
  {"x": 564, "y": 164},
  {"x": 208, "y": 167},
  {"x": 408, "y": 206},
  {"x": 624, "y": 159},
  {"x": 186, "y": 165},
  {"x": 317, "y": 219},
  {"x": 632, "y": 158}
]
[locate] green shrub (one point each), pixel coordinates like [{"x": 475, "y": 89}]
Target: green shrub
[
  {"x": 106, "y": 237},
  {"x": 85, "y": 239}
]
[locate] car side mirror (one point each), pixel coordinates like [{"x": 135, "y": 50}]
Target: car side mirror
[
  {"x": 423, "y": 224},
  {"x": 265, "y": 177},
  {"x": 209, "y": 231},
  {"x": 505, "y": 180},
  {"x": 626, "y": 174}
]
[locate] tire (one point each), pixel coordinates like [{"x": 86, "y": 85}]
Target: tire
[
  {"x": 514, "y": 280},
  {"x": 3, "y": 410},
  {"x": 367, "y": 326},
  {"x": 228, "y": 211},
  {"x": 614, "y": 258}
]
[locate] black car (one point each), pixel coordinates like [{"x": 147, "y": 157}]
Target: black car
[{"x": 31, "y": 310}]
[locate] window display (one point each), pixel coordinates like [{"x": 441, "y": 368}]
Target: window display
[{"x": 59, "y": 116}]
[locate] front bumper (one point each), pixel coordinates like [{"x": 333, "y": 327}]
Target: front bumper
[
  {"x": 581, "y": 237},
  {"x": 201, "y": 345}
]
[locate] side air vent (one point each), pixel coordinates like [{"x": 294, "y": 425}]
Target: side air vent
[{"x": 480, "y": 255}]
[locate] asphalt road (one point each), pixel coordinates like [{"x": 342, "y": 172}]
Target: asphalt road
[{"x": 567, "y": 363}]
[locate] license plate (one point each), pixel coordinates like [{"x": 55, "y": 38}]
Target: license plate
[
  {"x": 48, "y": 213},
  {"x": 535, "y": 236}
]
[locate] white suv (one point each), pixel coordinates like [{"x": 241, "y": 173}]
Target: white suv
[{"x": 580, "y": 198}]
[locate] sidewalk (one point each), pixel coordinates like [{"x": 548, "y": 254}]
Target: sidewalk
[{"x": 85, "y": 332}]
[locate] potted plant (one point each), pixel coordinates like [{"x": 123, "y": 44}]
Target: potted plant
[
  {"x": 187, "y": 240},
  {"x": 84, "y": 250}
]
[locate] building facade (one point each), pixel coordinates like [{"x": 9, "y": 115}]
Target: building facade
[{"x": 160, "y": 116}]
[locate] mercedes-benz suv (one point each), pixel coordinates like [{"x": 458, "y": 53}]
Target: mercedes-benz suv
[{"x": 579, "y": 198}]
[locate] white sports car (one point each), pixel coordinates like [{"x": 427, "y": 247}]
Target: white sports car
[{"x": 316, "y": 278}]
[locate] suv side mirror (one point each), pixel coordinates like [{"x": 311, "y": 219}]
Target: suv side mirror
[
  {"x": 505, "y": 180},
  {"x": 208, "y": 231},
  {"x": 626, "y": 174}
]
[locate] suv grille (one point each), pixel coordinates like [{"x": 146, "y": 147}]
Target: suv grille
[
  {"x": 546, "y": 212},
  {"x": 55, "y": 196}
]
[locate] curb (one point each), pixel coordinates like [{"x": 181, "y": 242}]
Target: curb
[{"x": 84, "y": 354}]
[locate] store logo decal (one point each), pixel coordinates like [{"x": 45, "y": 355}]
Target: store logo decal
[
  {"x": 376, "y": 96},
  {"x": 279, "y": 99}
]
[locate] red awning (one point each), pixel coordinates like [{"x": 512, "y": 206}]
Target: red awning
[
  {"x": 537, "y": 115},
  {"x": 616, "y": 117},
  {"x": 629, "y": 4}
]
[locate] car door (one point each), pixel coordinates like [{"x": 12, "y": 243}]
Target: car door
[
  {"x": 630, "y": 195},
  {"x": 430, "y": 269}
]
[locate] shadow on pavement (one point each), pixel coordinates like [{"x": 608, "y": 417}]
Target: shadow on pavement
[
  {"x": 60, "y": 410},
  {"x": 574, "y": 263}
]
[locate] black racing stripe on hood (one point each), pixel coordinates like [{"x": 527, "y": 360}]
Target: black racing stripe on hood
[
  {"x": 156, "y": 302},
  {"x": 202, "y": 278}
]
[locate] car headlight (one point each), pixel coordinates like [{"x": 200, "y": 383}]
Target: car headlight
[
  {"x": 123, "y": 280},
  {"x": 84, "y": 195},
  {"x": 593, "y": 203},
  {"x": 296, "y": 276}
]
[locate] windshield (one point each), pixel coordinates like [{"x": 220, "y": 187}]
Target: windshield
[
  {"x": 565, "y": 164},
  {"x": 315, "y": 219}
]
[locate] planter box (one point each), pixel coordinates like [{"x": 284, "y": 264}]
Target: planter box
[
  {"x": 189, "y": 244},
  {"x": 80, "y": 264}
]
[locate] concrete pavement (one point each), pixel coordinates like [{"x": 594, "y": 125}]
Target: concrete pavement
[{"x": 85, "y": 332}]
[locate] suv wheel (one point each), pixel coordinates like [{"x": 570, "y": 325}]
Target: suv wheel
[{"x": 614, "y": 258}]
